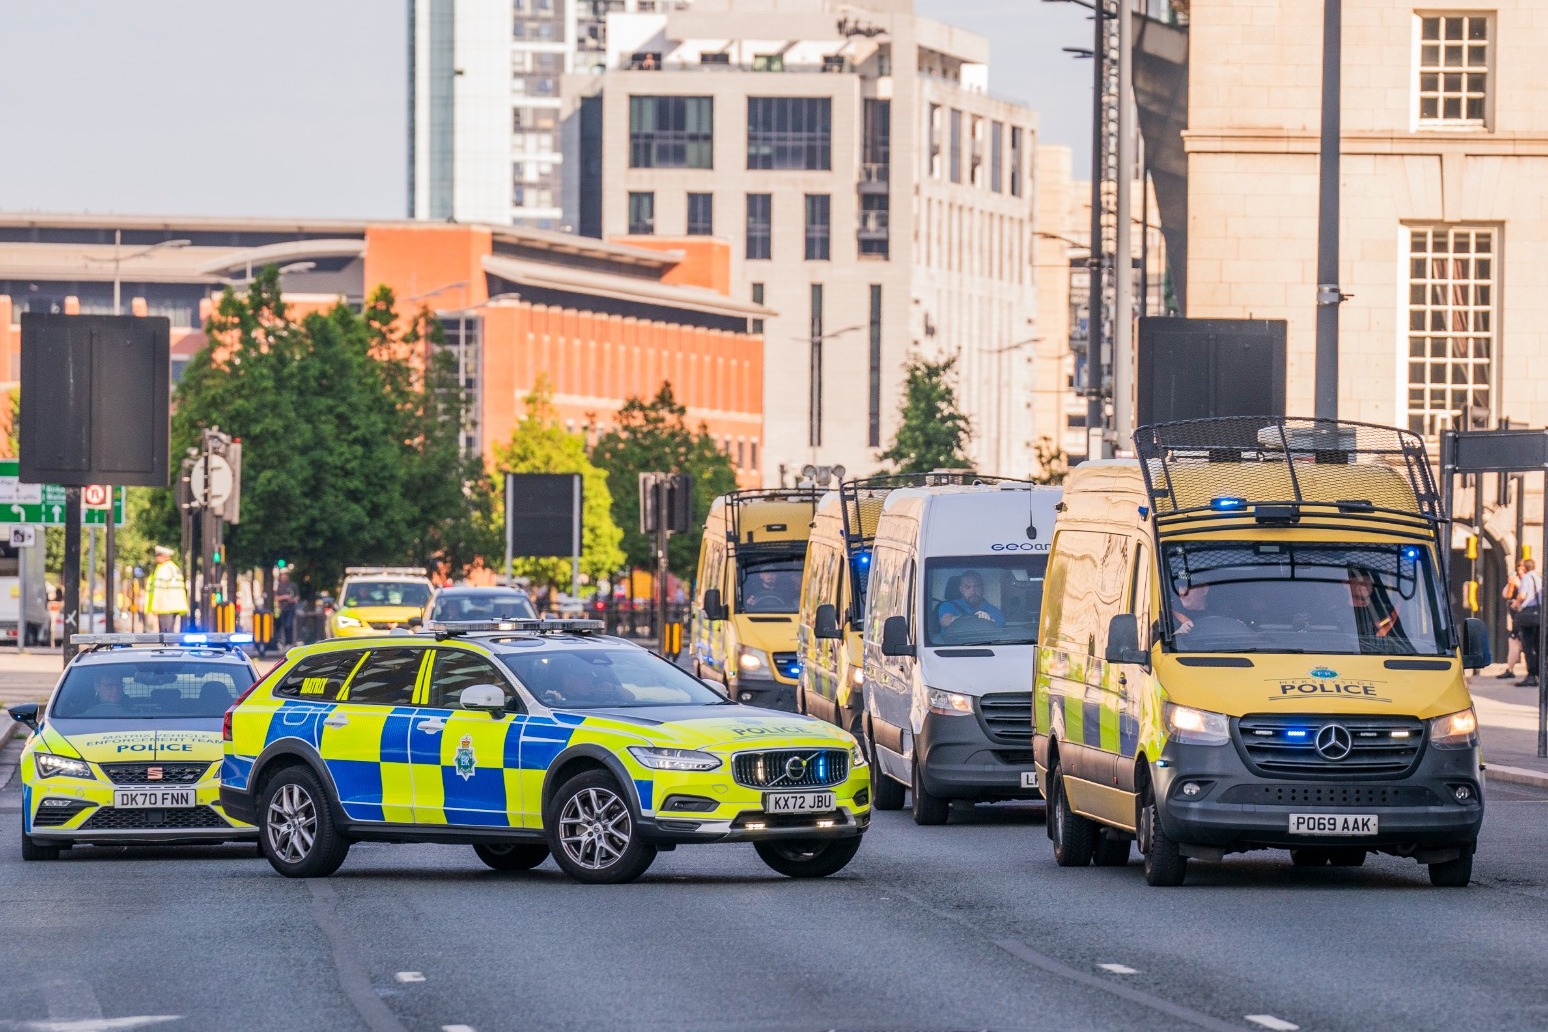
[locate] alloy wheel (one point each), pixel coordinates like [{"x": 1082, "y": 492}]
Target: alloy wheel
[
  {"x": 594, "y": 828},
  {"x": 292, "y": 823}
]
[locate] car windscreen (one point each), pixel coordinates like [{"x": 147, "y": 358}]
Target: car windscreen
[
  {"x": 483, "y": 605},
  {"x": 362, "y": 594},
  {"x": 1254, "y": 596},
  {"x": 150, "y": 690},
  {"x": 606, "y": 679},
  {"x": 768, "y": 580},
  {"x": 983, "y": 600}
]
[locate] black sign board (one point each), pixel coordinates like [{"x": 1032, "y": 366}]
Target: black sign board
[
  {"x": 1200, "y": 368},
  {"x": 95, "y": 394},
  {"x": 1495, "y": 451},
  {"x": 543, "y": 514}
]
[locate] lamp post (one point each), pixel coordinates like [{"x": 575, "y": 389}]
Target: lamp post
[{"x": 119, "y": 258}]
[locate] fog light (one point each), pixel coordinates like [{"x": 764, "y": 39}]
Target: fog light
[
  {"x": 747, "y": 696},
  {"x": 1463, "y": 793},
  {"x": 1191, "y": 789}
]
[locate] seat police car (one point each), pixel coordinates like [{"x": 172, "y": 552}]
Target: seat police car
[
  {"x": 527, "y": 739},
  {"x": 127, "y": 749}
]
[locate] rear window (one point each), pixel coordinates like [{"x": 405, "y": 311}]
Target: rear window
[
  {"x": 150, "y": 690},
  {"x": 318, "y": 677}
]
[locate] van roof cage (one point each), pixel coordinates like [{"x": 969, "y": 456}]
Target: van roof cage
[
  {"x": 736, "y": 500},
  {"x": 1275, "y": 470},
  {"x": 443, "y": 629},
  {"x": 126, "y": 639}
]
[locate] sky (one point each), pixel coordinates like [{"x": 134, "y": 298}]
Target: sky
[{"x": 297, "y": 107}]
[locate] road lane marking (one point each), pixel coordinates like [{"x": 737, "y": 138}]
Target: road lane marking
[
  {"x": 353, "y": 980},
  {"x": 409, "y": 976},
  {"x": 1118, "y": 969},
  {"x": 1269, "y": 1021},
  {"x": 457, "y": 1028},
  {"x": 90, "y": 1024}
]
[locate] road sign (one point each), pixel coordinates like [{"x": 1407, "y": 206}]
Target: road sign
[
  {"x": 23, "y": 536},
  {"x": 96, "y": 496},
  {"x": 221, "y": 480},
  {"x": 45, "y": 503}
]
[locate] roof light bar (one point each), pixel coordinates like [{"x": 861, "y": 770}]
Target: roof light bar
[
  {"x": 444, "y": 627},
  {"x": 1227, "y": 504},
  {"x": 191, "y": 638}
]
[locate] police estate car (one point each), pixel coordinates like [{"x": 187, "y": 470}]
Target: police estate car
[
  {"x": 527, "y": 739},
  {"x": 127, "y": 748}
]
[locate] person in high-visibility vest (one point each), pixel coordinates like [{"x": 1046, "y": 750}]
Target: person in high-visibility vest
[{"x": 167, "y": 596}]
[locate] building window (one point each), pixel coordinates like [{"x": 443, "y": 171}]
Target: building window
[
  {"x": 1015, "y": 162},
  {"x": 701, "y": 214},
  {"x": 996, "y": 157},
  {"x": 935, "y": 141},
  {"x": 768, "y": 62},
  {"x": 671, "y": 132},
  {"x": 873, "y": 229},
  {"x": 642, "y": 214},
  {"x": 873, "y": 437},
  {"x": 814, "y": 401},
  {"x": 1452, "y": 271},
  {"x": 976, "y": 142},
  {"x": 752, "y": 453},
  {"x": 954, "y": 141},
  {"x": 817, "y": 208},
  {"x": 1453, "y": 69},
  {"x": 757, "y": 297},
  {"x": 759, "y": 217},
  {"x": 876, "y": 141},
  {"x": 789, "y": 132}
]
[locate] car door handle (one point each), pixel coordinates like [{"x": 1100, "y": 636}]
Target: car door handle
[
  {"x": 431, "y": 726},
  {"x": 337, "y": 720}
]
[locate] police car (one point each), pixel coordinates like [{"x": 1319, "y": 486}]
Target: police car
[
  {"x": 127, "y": 748},
  {"x": 527, "y": 739}
]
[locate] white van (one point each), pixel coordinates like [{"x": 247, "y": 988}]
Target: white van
[{"x": 951, "y": 617}]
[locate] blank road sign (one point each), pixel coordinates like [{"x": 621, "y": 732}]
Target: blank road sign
[{"x": 540, "y": 513}]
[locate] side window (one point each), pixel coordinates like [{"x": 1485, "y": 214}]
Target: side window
[
  {"x": 387, "y": 678},
  {"x": 703, "y": 570},
  {"x": 455, "y": 670},
  {"x": 318, "y": 677},
  {"x": 1112, "y": 584},
  {"x": 1139, "y": 594}
]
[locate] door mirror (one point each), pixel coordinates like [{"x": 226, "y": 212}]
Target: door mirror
[
  {"x": 895, "y": 640},
  {"x": 486, "y": 698},
  {"x": 714, "y": 608},
  {"x": 25, "y": 713},
  {"x": 1476, "y": 653},
  {"x": 825, "y": 622},
  {"x": 716, "y": 687},
  {"x": 1123, "y": 641}
]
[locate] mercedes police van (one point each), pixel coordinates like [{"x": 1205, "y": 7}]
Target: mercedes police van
[
  {"x": 951, "y": 614},
  {"x": 1246, "y": 644}
]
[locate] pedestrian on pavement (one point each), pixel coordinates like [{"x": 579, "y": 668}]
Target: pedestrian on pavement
[
  {"x": 1529, "y": 618},
  {"x": 167, "y": 596},
  {"x": 286, "y": 598},
  {"x": 479, "y": 575},
  {"x": 1511, "y": 590},
  {"x": 440, "y": 573}
]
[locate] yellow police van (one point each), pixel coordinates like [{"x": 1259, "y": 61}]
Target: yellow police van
[
  {"x": 838, "y": 558},
  {"x": 1246, "y": 644},
  {"x": 747, "y": 592}
]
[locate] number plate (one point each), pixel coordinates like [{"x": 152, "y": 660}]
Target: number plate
[
  {"x": 1029, "y": 779},
  {"x": 798, "y": 802},
  {"x": 1332, "y": 824},
  {"x": 152, "y": 798}
]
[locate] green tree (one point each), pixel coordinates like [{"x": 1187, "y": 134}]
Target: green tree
[
  {"x": 1052, "y": 461},
  {"x": 932, "y": 430},
  {"x": 540, "y": 444},
  {"x": 654, "y": 437}
]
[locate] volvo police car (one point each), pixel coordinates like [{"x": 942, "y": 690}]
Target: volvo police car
[
  {"x": 127, "y": 748},
  {"x": 525, "y": 739}
]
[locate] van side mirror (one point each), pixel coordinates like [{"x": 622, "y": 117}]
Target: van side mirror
[
  {"x": 825, "y": 622},
  {"x": 895, "y": 640},
  {"x": 1123, "y": 641},
  {"x": 1476, "y": 652},
  {"x": 25, "y": 713},
  {"x": 714, "y": 607}
]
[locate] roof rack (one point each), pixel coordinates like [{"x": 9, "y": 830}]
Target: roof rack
[
  {"x": 1275, "y": 470},
  {"x": 201, "y": 639},
  {"x": 737, "y": 499},
  {"x": 443, "y": 629},
  {"x": 378, "y": 571}
]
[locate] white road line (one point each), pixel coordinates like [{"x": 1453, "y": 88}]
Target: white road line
[
  {"x": 1118, "y": 969},
  {"x": 1269, "y": 1021},
  {"x": 456, "y": 1028},
  {"x": 89, "y": 1024},
  {"x": 409, "y": 976}
]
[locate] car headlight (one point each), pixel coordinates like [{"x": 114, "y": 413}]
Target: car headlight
[
  {"x": 1455, "y": 730},
  {"x": 857, "y": 677},
  {"x": 50, "y": 765},
  {"x": 856, "y": 756},
  {"x": 1189, "y": 726},
  {"x": 949, "y": 704},
  {"x": 754, "y": 662},
  {"x": 340, "y": 620},
  {"x": 674, "y": 759}
]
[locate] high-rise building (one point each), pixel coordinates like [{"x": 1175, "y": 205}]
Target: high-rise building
[{"x": 878, "y": 199}]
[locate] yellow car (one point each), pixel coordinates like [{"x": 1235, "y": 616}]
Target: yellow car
[
  {"x": 543, "y": 738},
  {"x": 377, "y": 600},
  {"x": 127, "y": 749}
]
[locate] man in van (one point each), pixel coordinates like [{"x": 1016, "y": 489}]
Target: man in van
[
  {"x": 1376, "y": 620},
  {"x": 970, "y": 601},
  {"x": 1190, "y": 607}
]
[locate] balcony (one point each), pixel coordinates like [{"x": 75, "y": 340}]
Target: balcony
[{"x": 874, "y": 177}]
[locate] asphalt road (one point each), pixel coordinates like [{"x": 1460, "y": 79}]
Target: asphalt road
[{"x": 968, "y": 926}]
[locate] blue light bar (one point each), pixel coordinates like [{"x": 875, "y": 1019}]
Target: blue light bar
[
  {"x": 1296, "y": 733},
  {"x": 1227, "y": 504},
  {"x": 241, "y": 638},
  {"x": 195, "y": 639},
  {"x": 1411, "y": 552}
]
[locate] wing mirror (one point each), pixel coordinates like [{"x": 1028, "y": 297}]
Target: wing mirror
[
  {"x": 714, "y": 606},
  {"x": 1123, "y": 641},
  {"x": 25, "y": 713},
  {"x": 895, "y": 638},
  {"x": 485, "y": 698},
  {"x": 1476, "y": 653},
  {"x": 825, "y": 625}
]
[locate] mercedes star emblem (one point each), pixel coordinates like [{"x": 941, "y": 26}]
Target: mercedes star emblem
[{"x": 1334, "y": 742}]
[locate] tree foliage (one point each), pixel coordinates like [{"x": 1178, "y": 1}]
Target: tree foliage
[
  {"x": 540, "y": 444},
  {"x": 654, "y": 437},
  {"x": 932, "y": 431}
]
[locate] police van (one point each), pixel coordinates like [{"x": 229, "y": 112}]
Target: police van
[
  {"x": 747, "y": 592},
  {"x": 951, "y": 616},
  {"x": 1246, "y": 644}
]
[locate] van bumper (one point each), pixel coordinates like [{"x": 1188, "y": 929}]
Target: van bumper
[
  {"x": 1235, "y": 809},
  {"x": 958, "y": 761},
  {"x": 767, "y": 693}
]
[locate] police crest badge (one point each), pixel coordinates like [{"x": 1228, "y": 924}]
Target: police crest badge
[{"x": 465, "y": 758}]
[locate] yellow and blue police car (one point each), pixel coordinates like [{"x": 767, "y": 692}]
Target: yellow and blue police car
[
  {"x": 527, "y": 739},
  {"x": 127, "y": 749}
]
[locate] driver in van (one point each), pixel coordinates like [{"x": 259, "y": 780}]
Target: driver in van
[
  {"x": 1375, "y": 616},
  {"x": 1190, "y": 607},
  {"x": 970, "y": 602},
  {"x": 768, "y": 589}
]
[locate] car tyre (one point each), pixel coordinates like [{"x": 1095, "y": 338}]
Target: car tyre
[
  {"x": 1074, "y": 837},
  {"x": 927, "y": 809},
  {"x": 1452, "y": 874},
  {"x": 886, "y": 794},
  {"x": 593, "y": 834},
  {"x": 808, "y": 858},
  {"x": 32, "y": 849},
  {"x": 1112, "y": 850},
  {"x": 512, "y": 856},
  {"x": 297, "y": 833},
  {"x": 1165, "y": 864}
]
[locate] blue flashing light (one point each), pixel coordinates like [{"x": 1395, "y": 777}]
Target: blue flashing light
[
  {"x": 1227, "y": 504},
  {"x": 1296, "y": 733},
  {"x": 1411, "y": 553},
  {"x": 864, "y": 558},
  {"x": 195, "y": 639},
  {"x": 240, "y": 639}
]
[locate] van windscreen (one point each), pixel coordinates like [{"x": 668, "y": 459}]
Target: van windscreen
[
  {"x": 983, "y": 600},
  {"x": 1254, "y": 596},
  {"x": 768, "y": 579}
]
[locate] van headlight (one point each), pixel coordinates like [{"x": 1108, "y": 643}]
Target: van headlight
[
  {"x": 754, "y": 662},
  {"x": 857, "y": 677},
  {"x": 1457, "y": 730},
  {"x": 950, "y": 704},
  {"x": 51, "y": 766},
  {"x": 673, "y": 759},
  {"x": 1189, "y": 726}
]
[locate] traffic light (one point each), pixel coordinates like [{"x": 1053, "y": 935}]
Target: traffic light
[
  {"x": 1472, "y": 546},
  {"x": 215, "y": 557},
  {"x": 280, "y": 564}
]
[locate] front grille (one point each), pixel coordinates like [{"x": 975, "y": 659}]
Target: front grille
[
  {"x": 110, "y": 819},
  {"x": 788, "y": 664},
  {"x": 1330, "y": 795},
  {"x": 1286, "y": 744},
  {"x": 171, "y": 773},
  {"x": 816, "y": 768},
  {"x": 54, "y": 812},
  {"x": 1007, "y": 717}
]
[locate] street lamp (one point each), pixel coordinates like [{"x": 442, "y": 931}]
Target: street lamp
[{"x": 119, "y": 258}]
